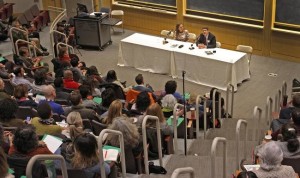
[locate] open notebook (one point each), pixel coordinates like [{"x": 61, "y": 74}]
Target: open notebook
[
  {"x": 170, "y": 120},
  {"x": 53, "y": 143},
  {"x": 251, "y": 167}
]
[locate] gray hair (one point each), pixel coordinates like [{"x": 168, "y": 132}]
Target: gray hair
[
  {"x": 129, "y": 131},
  {"x": 168, "y": 101},
  {"x": 271, "y": 156}
]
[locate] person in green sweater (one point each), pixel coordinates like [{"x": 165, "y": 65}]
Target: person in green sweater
[{"x": 44, "y": 124}]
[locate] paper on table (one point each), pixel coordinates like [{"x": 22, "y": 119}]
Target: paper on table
[
  {"x": 53, "y": 143},
  {"x": 110, "y": 154},
  {"x": 251, "y": 167}
]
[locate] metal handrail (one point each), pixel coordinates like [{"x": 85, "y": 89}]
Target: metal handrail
[
  {"x": 158, "y": 134},
  {"x": 46, "y": 157},
  {"x": 214, "y": 106},
  {"x": 237, "y": 140},
  {"x": 277, "y": 101},
  {"x": 199, "y": 99},
  {"x": 27, "y": 42},
  {"x": 183, "y": 170},
  {"x": 230, "y": 87},
  {"x": 64, "y": 44},
  {"x": 174, "y": 123},
  {"x": 284, "y": 88},
  {"x": 100, "y": 145},
  {"x": 213, "y": 155},
  {"x": 269, "y": 110},
  {"x": 53, "y": 25},
  {"x": 259, "y": 110},
  {"x": 65, "y": 36},
  {"x": 20, "y": 30}
]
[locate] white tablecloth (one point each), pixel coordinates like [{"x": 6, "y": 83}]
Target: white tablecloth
[{"x": 148, "y": 53}]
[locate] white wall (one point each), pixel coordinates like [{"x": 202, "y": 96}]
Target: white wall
[{"x": 22, "y": 5}]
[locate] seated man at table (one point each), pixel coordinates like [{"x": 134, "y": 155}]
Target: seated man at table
[{"x": 206, "y": 39}]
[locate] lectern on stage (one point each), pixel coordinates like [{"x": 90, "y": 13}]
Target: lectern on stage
[{"x": 94, "y": 31}]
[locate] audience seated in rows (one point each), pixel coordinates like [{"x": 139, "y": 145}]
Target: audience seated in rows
[
  {"x": 114, "y": 111},
  {"x": 69, "y": 83},
  {"x": 139, "y": 79},
  {"x": 21, "y": 96},
  {"x": 86, "y": 156},
  {"x": 25, "y": 142},
  {"x": 86, "y": 95},
  {"x": 111, "y": 77},
  {"x": 77, "y": 106},
  {"x": 25, "y": 60},
  {"x": 132, "y": 141},
  {"x": 155, "y": 110},
  {"x": 60, "y": 93},
  {"x": 19, "y": 77},
  {"x": 50, "y": 95},
  {"x": 7, "y": 113},
  {"x": 285, "y": 113},
  {"x": 44, "y": 124},
  {"x": 271, "y": 157},
  {"x": 3, "y": 94},
  {"x": 295, "y": 121}
]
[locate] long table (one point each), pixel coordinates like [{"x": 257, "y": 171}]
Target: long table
[{"x": 148, "y": 53}]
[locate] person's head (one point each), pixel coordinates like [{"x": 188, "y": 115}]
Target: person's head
[
  {"x": 114, "y": 110},
  {"x": 155, "y": 110},
  {"x": 62, "y": 52},
  {"x": 75, "y": 98},
  {"x": 19, "y": 71},
  {"x": 129, "y": 130},
  {"x": 296, "y": 116},
  {"x": 86, "y": 151},
  {"x": 68, "y": 74},
  {"x": 89, "y": 81},
  {"x": 81, "y": 65},
  {"x": 25, "y": 139},
  {"x": 74, "y": 60},
  {"x": 143, "y": 101},
  {"x": 179, "y": 28},
  {"x": 170, "y": 87},
  {"x": 296, "y": 100},
  {"x": 49, "y": 92},
  {"x": 93, "y": 70},
  {"x": 58, "y": 82},
  {"x": 8, "y": 108},
  {"x": 74, "y": 121},
  {"x": 108, "y": 96},
  {"x": 44, "y": 110},
  {"x": 205, "y": 31},
  {"x": 23, "y": 51},
  {"x": 16, "y": 24},
  {"x": 1, "y": 84},
  {"x": 40, "y": 77},
  {"x": 85, "y": 91},
  {"x": 111, "y": 76},
  {"x": 21, "y": 91},
  {"x": 271, "y": 156},
  {"x": 9, "y": 66},
  {"x": 289, "y": 134},
  {"x": 247, "y": 174},
  {"x": 139, "y": 79},
  {"x": 168, "y": 102}
]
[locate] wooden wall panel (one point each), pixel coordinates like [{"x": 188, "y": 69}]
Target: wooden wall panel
[
  {"x": 285, "y": 46},
  {"x": 147, "y": 22}
]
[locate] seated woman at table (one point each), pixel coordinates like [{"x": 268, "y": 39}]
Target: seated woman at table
[{"x": 180, "y": 33}]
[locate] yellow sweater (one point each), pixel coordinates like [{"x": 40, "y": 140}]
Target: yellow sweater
[{"x": 42, "y": 129}]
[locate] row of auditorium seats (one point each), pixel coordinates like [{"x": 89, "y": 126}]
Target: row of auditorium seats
[{"x": 39, "y": 18}]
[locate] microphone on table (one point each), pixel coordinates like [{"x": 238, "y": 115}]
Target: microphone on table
[
  {"x": 192, "y": 46},
  {"x": 165, "y": 39}
]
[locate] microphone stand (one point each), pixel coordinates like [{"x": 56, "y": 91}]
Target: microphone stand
[{"x": 184, "y": 114}]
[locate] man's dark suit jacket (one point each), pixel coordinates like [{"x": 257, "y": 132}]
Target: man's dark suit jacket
[{"x": 211, "y": 40}]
